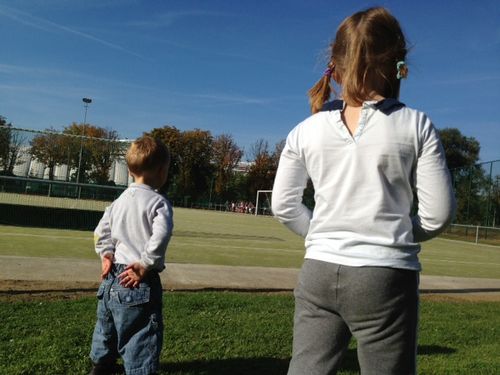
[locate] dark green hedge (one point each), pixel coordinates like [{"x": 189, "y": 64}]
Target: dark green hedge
[{"x": 48, "y": 217}]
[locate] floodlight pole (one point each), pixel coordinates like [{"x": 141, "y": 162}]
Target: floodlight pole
[{"x": 86, "y": 102}]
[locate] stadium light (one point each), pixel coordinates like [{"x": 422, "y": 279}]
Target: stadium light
[{"x": 86, "y": 102}]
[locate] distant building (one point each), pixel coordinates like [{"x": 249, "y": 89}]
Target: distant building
[
  {"x": 243, "y": 167},
  {"x": 28, "y": 166}
]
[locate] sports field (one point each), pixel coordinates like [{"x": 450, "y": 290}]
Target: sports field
[
  {"x": 209, "y": 237},
  {"x": 225, "y": 333}
]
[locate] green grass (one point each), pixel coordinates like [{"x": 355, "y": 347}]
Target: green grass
[
  {"x": 234, "y": 333},
  {"x": 208, "y": 237}
]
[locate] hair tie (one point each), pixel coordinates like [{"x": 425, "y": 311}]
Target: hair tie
[
  {"x": 329, "y": 70},
  {"x": 402, "y": 69}
]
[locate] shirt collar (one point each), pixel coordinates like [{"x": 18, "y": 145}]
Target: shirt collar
[
  {"x": 141, "y": 186},
  {"x": 386, "y": 106}
]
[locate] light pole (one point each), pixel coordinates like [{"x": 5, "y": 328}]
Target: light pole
[{"x": 86, "y": 102}]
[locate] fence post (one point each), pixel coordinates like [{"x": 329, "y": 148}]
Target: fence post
[{"x": 477, "y": 234}]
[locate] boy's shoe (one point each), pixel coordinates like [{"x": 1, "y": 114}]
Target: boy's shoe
[{"x": 107, "y": 369}]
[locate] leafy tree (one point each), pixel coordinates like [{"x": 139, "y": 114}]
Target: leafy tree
[
  {"x": 460, "y": 151},
  {"x": 195, "y": 167},
  {"x": 10, "y": 146},
  {"x": 225, "y": 157},
  {"x": 5, "y": 133},
  {"x": 190, "y": 167},
  {"x": 50, "y": 149},
  {"x": 104, "y": 150},
  {"x": 462, "y": 155},
  {"x": 98, "y": 148},
  {"x": 171, "y": 136},
  {"x": 263, "y": 169}
]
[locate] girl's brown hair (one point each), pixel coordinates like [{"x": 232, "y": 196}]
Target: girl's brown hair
[
  {"x": 147, "y": 154},
  {"x": 364, "y": 59}
]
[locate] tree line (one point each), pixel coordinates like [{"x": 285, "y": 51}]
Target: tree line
[
  {"x": 203, "y": 166},
  {"x": 89, "y": 157}
]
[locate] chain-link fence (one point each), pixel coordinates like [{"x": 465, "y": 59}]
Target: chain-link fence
[
  {"x": 74, "y": 156},
  {"x": 62, "y": 180},
  {"x": 473, "y": 233}
]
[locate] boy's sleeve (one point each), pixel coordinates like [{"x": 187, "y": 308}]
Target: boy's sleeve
[
  {"x": 436, "y": 201},
  {"x": 103, "y": 242},
  {"x": 154, "y": 255}
]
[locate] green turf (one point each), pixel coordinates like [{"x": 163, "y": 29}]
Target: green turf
[
  {"x": 234, "y": 333},
  {"x": 44, "y": 201},
  {"x": 208, "y": 237}
]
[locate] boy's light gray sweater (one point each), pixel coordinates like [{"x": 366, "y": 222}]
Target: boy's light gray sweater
[{"x": 136, "y": 227}]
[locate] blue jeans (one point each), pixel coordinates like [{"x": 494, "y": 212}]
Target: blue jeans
[{"x": 129, "y": 324}]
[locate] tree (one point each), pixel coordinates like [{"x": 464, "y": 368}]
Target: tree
[
  {"x": 462, "y": 155},
  {"x": 97, "y": 155},
  {"x": 190, "y": 168},
  {"x": 263, "y": 169},
  {"x": 195, "y": 167},
  {"x": 460, "y": 151},
  {"x": 5, "y": 133},
  {"x": 225, "y": 157},
  {"x": 50, "y": 149},
  {"x": 171, "y": 136},
  {"x": 104, "y": 150},
  {"x": 10, "y": 146}
]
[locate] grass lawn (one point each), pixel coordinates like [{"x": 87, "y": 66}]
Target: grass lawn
[
  {"x": 234, "y": 333},
  {"x": 208, "y": 237}
]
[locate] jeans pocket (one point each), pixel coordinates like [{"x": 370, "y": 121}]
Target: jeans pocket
[
  {"x": 133, "y": 296},
  {"x": 100, "y": 291}
]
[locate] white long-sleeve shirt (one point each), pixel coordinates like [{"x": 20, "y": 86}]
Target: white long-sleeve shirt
[
  {"x": 136, "y": 227},
  {"x": 364, "y": 185}
]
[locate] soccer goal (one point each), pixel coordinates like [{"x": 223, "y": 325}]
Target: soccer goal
[{"x": 263, "y": 202}]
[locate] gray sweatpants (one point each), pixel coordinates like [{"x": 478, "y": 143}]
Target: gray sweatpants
[{"x": 377, "y": 305}]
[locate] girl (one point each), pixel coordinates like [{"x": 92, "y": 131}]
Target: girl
[{"x": 366, "y": 155}]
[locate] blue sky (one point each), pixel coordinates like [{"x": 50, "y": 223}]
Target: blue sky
[{"x": 236, "y": 67}]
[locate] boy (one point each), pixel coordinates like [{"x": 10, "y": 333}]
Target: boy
[{"x": 132, "y": 239}]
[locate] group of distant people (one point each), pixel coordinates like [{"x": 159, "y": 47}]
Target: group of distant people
[{"x": 241, "y": 207}]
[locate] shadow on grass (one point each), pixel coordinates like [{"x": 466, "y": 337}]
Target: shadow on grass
[
  {"x": 434, "y": 349},
  {"x": 270, "y": 366},
  {"x": 245, "y": 366},
  {"x": 231, "y": 366}
]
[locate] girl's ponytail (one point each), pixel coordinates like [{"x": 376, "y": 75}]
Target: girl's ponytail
[
  {"x": 369, "y": 52},
  {"x": 320, "y": 92}
]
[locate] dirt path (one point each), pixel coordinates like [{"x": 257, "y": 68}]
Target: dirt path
[{"x": 31, "y": 277}]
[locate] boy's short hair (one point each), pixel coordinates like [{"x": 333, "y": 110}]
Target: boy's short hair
[{"x": 147, "y": 154}]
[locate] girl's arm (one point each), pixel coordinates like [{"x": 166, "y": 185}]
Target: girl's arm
[
  {"x": 436, "y": 201},
  {"x": 289, "y": 184}
]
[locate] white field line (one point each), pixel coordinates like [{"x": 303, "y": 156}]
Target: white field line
[
  {"x": 176, "y": 243},
  {"x": 44, "y": 236},
  {"x": 196, "y": 244},
  {"x": 459, "y": 261},
  {"x": 467, "y": 242}
]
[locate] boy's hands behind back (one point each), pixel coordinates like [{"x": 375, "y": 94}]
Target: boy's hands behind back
[
  {"x": 132, "y": 276},
  {"x": 106, "y": 264}
]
